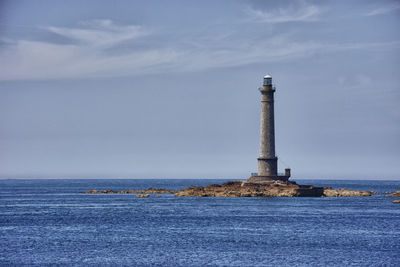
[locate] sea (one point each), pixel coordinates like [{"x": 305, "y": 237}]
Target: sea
[{"x": 49, "y": 222}]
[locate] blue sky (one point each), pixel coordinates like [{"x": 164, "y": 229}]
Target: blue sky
[{"x": 168, "y": 89}]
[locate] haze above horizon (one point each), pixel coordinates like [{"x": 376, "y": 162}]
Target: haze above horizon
[{"x": 144, "y": 89}]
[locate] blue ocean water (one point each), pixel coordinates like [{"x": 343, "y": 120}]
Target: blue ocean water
[{"x": 48, "y": 222}]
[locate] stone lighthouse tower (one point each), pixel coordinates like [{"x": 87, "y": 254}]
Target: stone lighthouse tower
[{"x": 267, "y": 160}]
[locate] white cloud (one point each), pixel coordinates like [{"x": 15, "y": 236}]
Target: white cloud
[
  {"x": 384, "y": 9},
  {"x": 100, "y": 33},
  {"x": 90, "y": 55},
  {"x": 44, "y": 60},
  {"x": 41, "y": 60},
  {"x": 87, "y": 56},
  {"x": 304, "y": 12}
]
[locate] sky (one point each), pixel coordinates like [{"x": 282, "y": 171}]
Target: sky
[{"x": 169, "y": 89}]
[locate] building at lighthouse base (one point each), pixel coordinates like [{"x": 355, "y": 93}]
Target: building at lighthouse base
[{"x": 263, "y": 179}]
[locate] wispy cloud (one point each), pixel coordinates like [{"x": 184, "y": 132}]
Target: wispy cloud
[
  {"x": 294, "y": 13},
  {"x": 86, "y": 56},
  {"x": 100, "y": 32},
  {"x": 384, "y": 9},
  {"x": 93, "y": 52},
  {"x": 41, "y": 60}
]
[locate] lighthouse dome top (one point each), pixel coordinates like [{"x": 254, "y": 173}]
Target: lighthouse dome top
[{"x": 267, "y": 79}]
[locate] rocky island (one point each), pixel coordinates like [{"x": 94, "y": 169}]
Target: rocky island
[
  {"x": 276, "y": 189},
  {"x": 247, "y": 189}
]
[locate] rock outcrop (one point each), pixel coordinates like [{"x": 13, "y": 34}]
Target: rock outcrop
[
  {"x": 330, "y": 192},
  {"x": 155, "y": 191},
  {"x": 145, "y": 191},
  {"x": 395, "y": 194},
  {"x": 143, "y": 195},
  {"x": 278, "y": 189},
  {"x": 246, "y": 189}
]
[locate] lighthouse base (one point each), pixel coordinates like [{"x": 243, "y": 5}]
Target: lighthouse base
[{"x": 256, "y": 179}]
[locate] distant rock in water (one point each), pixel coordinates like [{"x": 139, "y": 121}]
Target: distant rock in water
[
  {"x": 277, "y": 189},
  {"x": 330, "y": 192},
  {"x": 143, "y": 195},
  {"x": 395, "y": 194},
  {"x": 145, "y": 191},
  {"x": 155, "y": 191},
  {"x": 100, "y": 192}
]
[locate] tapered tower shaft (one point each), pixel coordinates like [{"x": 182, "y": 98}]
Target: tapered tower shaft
[{"x": 267, "y": 161}]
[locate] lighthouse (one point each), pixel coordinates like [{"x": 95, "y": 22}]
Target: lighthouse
[{"x": 267, "y": 160}]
